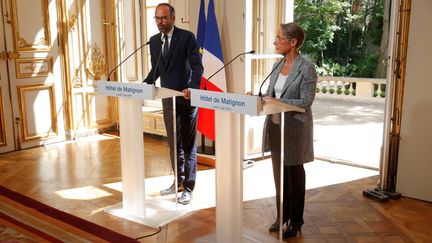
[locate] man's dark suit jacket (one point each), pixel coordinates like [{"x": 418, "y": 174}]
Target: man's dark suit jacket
[{"x": 182, "y": 68}]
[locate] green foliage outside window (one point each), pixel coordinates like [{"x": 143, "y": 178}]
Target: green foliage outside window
[{"x": 343, "y": 37}]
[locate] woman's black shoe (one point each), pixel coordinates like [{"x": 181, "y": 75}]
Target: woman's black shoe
[
  {"x": 292, "y": 230},
  {"x": 275, "y": 226}
]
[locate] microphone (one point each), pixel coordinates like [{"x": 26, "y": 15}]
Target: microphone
[
  {"x": 259, "y": 93},
  {"x": 139, "y": 48},
  {"x": 157, "y": 64},
  {"x": 208, "y": 79}
]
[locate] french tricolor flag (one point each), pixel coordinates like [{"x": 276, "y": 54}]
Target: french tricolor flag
[{"x": 212, "y": 59}]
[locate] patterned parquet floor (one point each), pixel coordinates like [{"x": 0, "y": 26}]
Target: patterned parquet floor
[{"x": 78, "y": 177}]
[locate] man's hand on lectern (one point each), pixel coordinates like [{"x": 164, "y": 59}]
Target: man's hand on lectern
[{"x": 186, "y": 93}]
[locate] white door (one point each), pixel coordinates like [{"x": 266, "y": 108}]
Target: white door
[{"x": 33, "y": 83}]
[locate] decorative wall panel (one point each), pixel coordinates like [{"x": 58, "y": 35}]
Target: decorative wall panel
[
  {"x": 88, "y": 28},
  {"x": 100, "y": 109},
  {"x": 94, "y": 40},
  {"x": 27, "y": 22},
  {"x": 33, "y": 67},
  {"x": 79, "y": 108},
  {"x": 39, "y": 99}
]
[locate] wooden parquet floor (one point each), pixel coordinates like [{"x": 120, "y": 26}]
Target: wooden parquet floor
[{"x": 55, "y": 174}]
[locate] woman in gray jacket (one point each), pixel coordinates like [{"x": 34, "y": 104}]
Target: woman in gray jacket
[{"x": 293, "y": 82}]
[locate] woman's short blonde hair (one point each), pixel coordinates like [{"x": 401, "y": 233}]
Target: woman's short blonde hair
[{"x": 293, "y": 30}]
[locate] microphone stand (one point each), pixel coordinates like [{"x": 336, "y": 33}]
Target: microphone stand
[
  {"x": 205, "y": 84},
  {"x": 157, "y": 64},
  {"x": 212, "y": 151},
  {"x": 279, "y": 63}
]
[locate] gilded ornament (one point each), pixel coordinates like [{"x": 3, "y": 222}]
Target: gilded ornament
[
  {"x": 72, "y": 22},
  {"x": 22, "y": 42},
  {"x": 76, "y": 81},
  {"x": 33, "y": 67},
  {"x": 43, "y": 42},
  {"x": 96, "y": 63}
]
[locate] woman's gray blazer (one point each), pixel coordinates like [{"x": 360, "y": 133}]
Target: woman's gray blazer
[{"x": 299, "y": 90}]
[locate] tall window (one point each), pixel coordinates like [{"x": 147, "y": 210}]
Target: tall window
[
  {"x": 266, "y": 17},
  {"x": 262, "y": 22}
]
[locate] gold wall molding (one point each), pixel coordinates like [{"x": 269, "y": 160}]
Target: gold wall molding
[
  {"x": 33, "y": 67},
  {"x": 106, "y": 28},
  {"x": 132, "y": 75},
  {"x": 3, "y": 56},
  {"x": 64, "y": 61},
  {"x": 3, "y": 141},
  {"x": 20, "y": 43},
  {"x": 96, "y": 63}
]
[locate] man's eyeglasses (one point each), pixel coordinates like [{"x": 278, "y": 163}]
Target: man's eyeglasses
[{"x": 161, "y": 18}]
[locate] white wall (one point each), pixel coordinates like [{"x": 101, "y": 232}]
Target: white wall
[{"x": 414, "y": 177}]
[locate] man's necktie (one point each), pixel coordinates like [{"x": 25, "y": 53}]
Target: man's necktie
[{"x": 165, "y": 46}]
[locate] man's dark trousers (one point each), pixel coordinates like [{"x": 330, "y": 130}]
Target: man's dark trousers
[{"x": 186, "y": 120}]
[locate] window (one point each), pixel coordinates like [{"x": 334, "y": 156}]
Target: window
[{"x": 265, "y": 19}]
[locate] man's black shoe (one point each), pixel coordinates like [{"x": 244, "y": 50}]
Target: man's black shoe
[{"x": 170, "y": 190}]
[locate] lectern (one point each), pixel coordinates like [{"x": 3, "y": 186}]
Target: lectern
[
  {"x": 135, "y": 206},
  {"x": 229, "y": 169}
]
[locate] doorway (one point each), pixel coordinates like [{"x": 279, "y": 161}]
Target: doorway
[
  {"x": 349, "y": 111},
  {"x": 31, "y": 97}
]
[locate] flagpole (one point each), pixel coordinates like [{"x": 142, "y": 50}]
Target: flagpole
[{"x": 204, "y": 149}]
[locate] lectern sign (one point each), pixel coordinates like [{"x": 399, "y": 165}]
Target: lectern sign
[
  {"x": 130, "y": 90},
  {"x": 229, "y": 102}
]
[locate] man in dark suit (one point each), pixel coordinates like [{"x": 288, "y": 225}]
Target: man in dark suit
[{"x": 176, "y": 60}]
